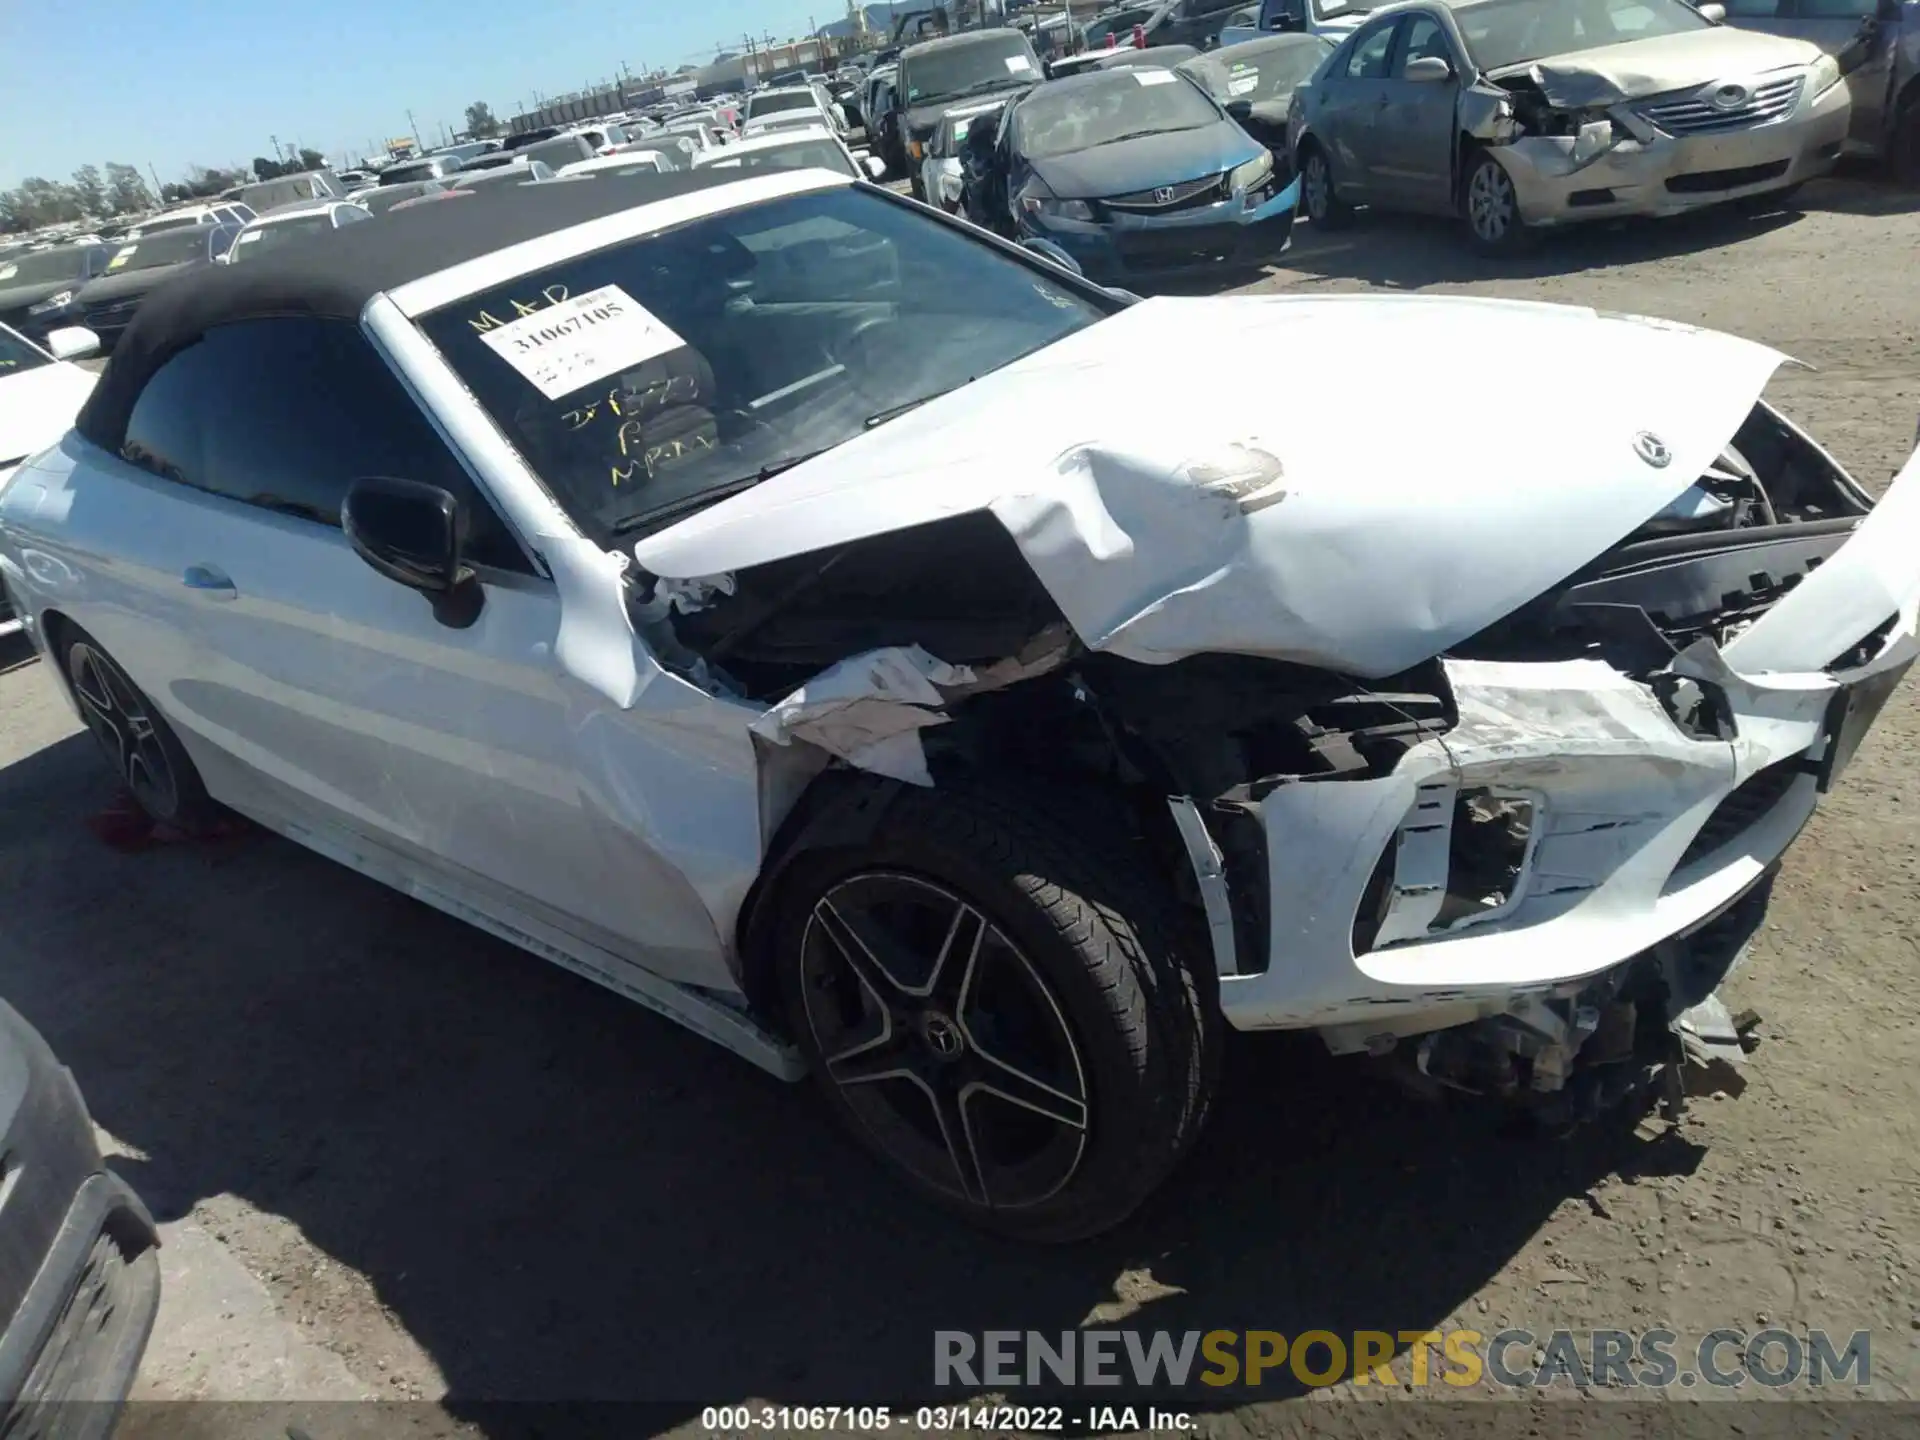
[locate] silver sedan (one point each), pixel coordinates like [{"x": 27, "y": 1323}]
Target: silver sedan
[{"x": 1521, "y": 114}]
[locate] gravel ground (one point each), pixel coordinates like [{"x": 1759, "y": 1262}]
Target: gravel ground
[{"x": 393, "y": 1156}]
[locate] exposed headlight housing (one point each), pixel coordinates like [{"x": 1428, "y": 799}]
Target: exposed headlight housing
[
  {"x": 52, "y": 302},
  {"x": 1043, "y": 204},
  {"x": 1251, "y": 174},
  {"x": 1823, "y": 74},
  {"x": 1593, "y": 139}
]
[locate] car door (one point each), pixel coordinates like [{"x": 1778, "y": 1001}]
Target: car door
[
  {"x": 1854, "y": 33},
  {"x": 1354, "y": 91},
  {"x": 310, "y": 689},
  {"x": 1413, "y": 129}
]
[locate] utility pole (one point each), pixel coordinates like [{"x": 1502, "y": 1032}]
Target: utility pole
[
  {"x": 156, "y": 179},
  {"x": 414, "y": 126}
]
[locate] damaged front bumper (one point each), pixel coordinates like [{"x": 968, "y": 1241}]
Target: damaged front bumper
[
  {"x": 1648, "y": 172},
  {"x": 1621, "y": 838}
]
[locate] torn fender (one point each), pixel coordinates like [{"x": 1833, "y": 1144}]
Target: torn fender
[
  {"x": 869, "y": 710},
  {"x": 1486, "y": 113},
  {"x": 1253, "y": 503}
]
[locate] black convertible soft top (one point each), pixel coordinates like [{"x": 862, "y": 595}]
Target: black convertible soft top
[{"x": 333, "y": 274}]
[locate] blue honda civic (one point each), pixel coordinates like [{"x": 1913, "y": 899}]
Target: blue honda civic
[{"x": 1131, "y": 172}]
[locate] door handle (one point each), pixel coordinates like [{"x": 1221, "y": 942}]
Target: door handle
[{"x": 210, "y": 582}]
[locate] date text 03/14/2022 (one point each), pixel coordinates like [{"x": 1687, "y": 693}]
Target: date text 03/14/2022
[{"x": 992, "y": 1419}]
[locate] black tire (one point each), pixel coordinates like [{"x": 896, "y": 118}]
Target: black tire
[
  {"x": 1319, "y": 194},
  {"x": 1067, "y": 936},
  {"x": 1903, "y": 142},
  {"x": 1490, "y": 208},
  {"x": 139, "y": 744}
]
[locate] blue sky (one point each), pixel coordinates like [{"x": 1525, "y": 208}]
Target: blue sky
[{"x": 171, "y": 83}]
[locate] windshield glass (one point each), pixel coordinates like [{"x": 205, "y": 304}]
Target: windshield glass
[
  {"x": 284, "y": 191},
  {"x": 774, "y": 102},
  {"x": 1001, "y": 59},
  {"x": 1259, "y": 70},
  {"x": 16, "y": 354},
  {"x": 1098, "y": 110},
  {"x": 680, "y": 365},
  {"x": 250, "y": 244},
  {"x": 168, "y": 248},
  {"x": 1505, "y": 32},
  {"x": 1118, "y": 24},
  {"x": 562, "y": 151},
  {"x": 821, "y": 154},
  {"x": 380, "y": 201},
  {"x": 171, "y": 222},
  {"x": 44, "y": 266},
  {"x": 422, "y": 170}
]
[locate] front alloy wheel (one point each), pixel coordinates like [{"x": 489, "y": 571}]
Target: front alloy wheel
[
  {"x": 1324, "y": 207},
  {"x": 1493, "y": 210},
  {"x": 994, "y": 990},
  {"x": 118, "y": 716},
  {"x": 145, "y": 754},
  {"x": 944, "y": 1041}
]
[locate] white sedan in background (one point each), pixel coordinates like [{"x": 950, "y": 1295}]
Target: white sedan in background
[
  {"x": 627, "y": 162},
  {"x": 40, "y": 391},
  {"x": 290, "y": 222},
  {"x": 812, "y": 147}
]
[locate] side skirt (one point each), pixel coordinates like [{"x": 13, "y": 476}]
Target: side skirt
[{"x": 698, "y": 1011}]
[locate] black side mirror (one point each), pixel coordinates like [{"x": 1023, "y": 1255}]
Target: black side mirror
[
  {"x": 413, "y": 534},
  {"x": 1241, "y": 110}
]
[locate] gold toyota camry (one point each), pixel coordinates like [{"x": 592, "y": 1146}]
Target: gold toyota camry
[{"x": 1522, "y": 114}]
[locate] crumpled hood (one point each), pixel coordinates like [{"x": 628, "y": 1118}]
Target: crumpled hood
[
  {"x": 1166, "y": 158},
  {"x": 36, "y": 407},
  {"x": 1640, "y": 68},
  {"x": 1355, "y": 482}
]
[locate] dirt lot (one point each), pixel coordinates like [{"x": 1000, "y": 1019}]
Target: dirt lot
[{"x": 396, "y": 1157}]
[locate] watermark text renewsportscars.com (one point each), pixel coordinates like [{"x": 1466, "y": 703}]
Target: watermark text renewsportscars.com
[{"x": 1770, "y": 1358}]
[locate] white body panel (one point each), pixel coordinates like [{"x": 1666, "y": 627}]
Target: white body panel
[{"x": 37, "y": 406}]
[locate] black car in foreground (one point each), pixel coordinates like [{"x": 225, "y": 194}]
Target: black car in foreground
[
  {"x": 107, "y": 305},
  {"x": 79, "y": 1260},
  {"x": 38, "y": 289}
]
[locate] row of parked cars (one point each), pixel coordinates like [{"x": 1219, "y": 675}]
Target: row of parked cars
[
  {"x": 99, "y": 286},
  {"x": 1516, "y": 116}
]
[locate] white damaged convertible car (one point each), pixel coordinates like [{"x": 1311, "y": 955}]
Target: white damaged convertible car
[{"x": 747, "y": 593}]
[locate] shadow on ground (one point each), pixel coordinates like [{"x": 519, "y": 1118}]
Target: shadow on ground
[
  {"x": 561, "y": 1196},
  {"x": 1411, "y": 252}
]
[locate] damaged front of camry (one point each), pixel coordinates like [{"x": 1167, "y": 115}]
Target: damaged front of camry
[
  {"x": 1081, "y": 729},
  {"x": 1526, "y": 114}
]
